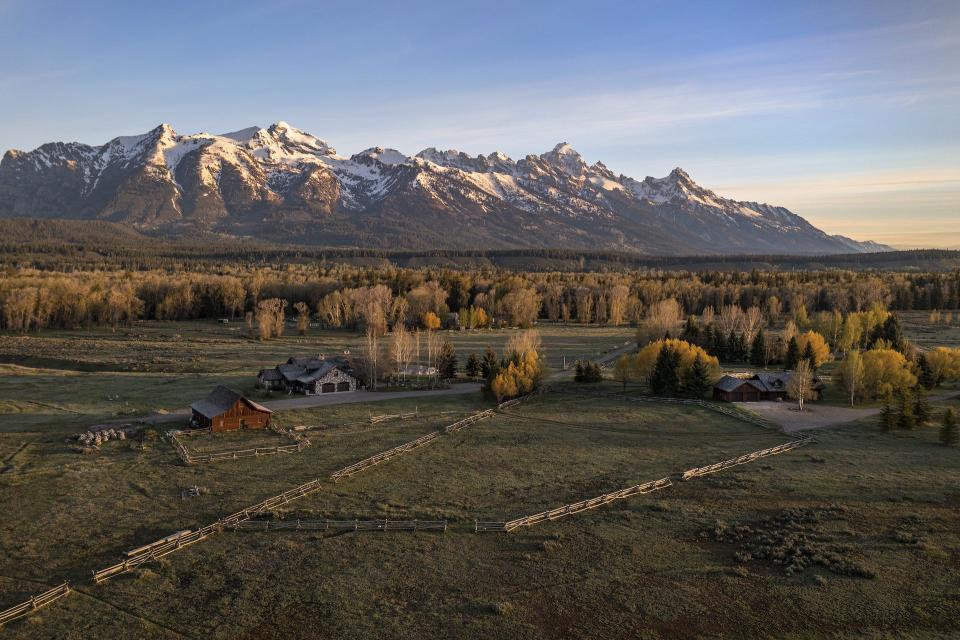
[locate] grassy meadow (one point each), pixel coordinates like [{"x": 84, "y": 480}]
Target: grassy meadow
[
  {"x": 669, "y": 564},
  {"x": 855, "y": 535}
]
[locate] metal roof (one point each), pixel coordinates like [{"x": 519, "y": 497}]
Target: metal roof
[{"x": 729, "y": 383}]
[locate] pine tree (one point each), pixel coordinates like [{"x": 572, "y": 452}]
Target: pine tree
[
  {"x": 743, "y": 349},
  {"x": 890, "y": 331},
  {"x": 926, "y": 378},
  {"x": 758, "y": 350},
  {"x": 447, "y": 361},
  {"x": 921, "y": 406},
  {"x": 691, "y": 330},
  {"x": 665, "y": 378},
  {"x": 888, "y": 417},
  {"x": 578, "y": 372},
  {"x": 697, "y": 381},
  {"x": 906, "y": 419},
  {"x": 949, "y": 435},
  {"x": 593, "y": 373},
  {"x": 793, "y": 354},
  {"x": 733, "y": 347},
  {"x": 706, "y": 340},
  {"x": 473, "y": 366},
  {"x": 720, "y": 346},
  {"x": 490, "y": 365},
  {"x": 810, "y": 356}
]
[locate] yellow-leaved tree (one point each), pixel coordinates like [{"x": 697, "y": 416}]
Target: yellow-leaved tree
[
  {"x": 819, "y": 350},
  {"x": 431, "y": 321},
  {"x": 524, "y": 373},
  {"x": 886, "y": 371},
  {"x": 944, "y": 363},
  {"x": 646, "y": 358}
]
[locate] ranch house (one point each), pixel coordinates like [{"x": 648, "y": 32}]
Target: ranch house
[
  {"x": 310, "y": 375},
  {"x": 757, "y": 388},
  {"x": 226, "y": 410}
]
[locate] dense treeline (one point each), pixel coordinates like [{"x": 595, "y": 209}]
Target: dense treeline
[
  {"x": 354, "y": 297},
  {"x": 63, "y": 245}
]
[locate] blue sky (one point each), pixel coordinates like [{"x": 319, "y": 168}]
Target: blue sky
[{"x": 847, "y": 112}]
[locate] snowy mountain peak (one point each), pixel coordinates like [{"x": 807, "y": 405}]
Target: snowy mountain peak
[
  {"x": 382, "y": 155},
  {"x": 164, "y": 130},
  {"x": 286, "y": 183},
  {"x": 243, "y": 135},
  {"x": 565, "y": 157},
  {"x": 282, "y": 143}
]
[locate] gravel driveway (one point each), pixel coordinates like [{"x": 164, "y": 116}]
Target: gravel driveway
[{"x": 816, "y": 416}]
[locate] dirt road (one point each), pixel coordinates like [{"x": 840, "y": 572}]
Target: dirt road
[
  {"x": 817, "y": 416},
  {"x": 322, "y": 400}
]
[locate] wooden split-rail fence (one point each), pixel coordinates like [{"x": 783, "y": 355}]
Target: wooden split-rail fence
[
  {"x": 300, "y": 443},
  {"x": 648, "y": 487},
  {"x": 170, "y": 544},
  {"x": 34, "y": 603},
  {"x": 383, "y": 456},
  {"x": 748, "y": 457},
  {"x": 394, "y": 416},
  {"x": 576, "y": 507},
  {"x": 343, "y": 525}
]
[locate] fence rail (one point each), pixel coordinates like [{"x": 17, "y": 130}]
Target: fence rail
[
  {"x": 383, "y": 456},
  {"x": 393, "y": 416},
  {"x": 576, "y": 507},
  {"x": 169, "y": 544},
  {"x": 341, "y": 525},
  {"x": 748, "y": 457},
  {"x": 300, "y": 443},
  {"x": 34, "y": 603}
]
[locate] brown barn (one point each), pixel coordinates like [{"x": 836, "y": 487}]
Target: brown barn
[{"x": 227, "y": 410}]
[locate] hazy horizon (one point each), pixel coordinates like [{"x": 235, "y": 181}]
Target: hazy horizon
[{"x": 846, "y": 115}]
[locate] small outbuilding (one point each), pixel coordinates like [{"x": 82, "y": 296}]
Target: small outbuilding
[{"x": 226, "y": 410}]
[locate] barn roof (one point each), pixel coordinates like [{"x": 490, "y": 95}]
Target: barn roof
[
  {"x": 771, "y": 381},
  {"x": 220, "y": 400},
  {"x": 729, "y": 383}
]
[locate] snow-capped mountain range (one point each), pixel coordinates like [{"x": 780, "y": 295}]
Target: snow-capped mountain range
[{"x": 283, "y": 184}]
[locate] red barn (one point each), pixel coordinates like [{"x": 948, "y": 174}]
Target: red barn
[{"x": 227, "y": 410}]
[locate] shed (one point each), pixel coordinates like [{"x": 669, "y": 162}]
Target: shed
[
  {"x": 226, "y": 410},
  {"x": 271, "y": 379}
]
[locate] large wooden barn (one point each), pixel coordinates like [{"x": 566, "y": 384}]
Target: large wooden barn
[
  {"x": 226, "y": 410},
  {"x": 759, "y": 387}
]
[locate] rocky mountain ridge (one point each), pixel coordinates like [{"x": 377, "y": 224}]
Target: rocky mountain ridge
[{"x": 283, "y": 184}]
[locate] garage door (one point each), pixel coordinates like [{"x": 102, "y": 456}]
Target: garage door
[
  {"x": 328, "y": 387},
  {"x": 343, "y": 386}
]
